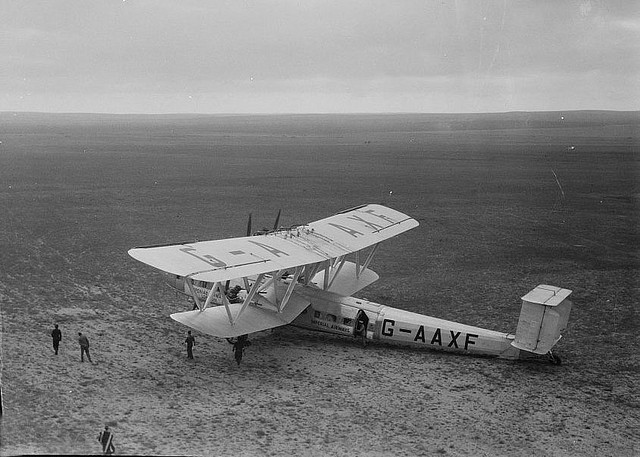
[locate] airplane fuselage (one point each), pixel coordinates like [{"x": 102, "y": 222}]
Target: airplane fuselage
[
  {"x": 340, "y": 315},
  {"x": 353, "y": 317}
]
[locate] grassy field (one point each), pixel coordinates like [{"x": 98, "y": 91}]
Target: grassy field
[{"x": 505, "y": 202}]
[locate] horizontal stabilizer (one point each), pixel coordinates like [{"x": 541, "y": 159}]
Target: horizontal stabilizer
[
  {"x": 547, "y": 295},
  {"x": 255, "y": 318}
]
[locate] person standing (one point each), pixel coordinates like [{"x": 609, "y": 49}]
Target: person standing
[
  {"x": 106, "y": 439},
  {"x": 84, "y": 347},
  {"x": 56, "y": 334},
  {"x": 361, "y": 331},
  {"x": 191, "y": 342},
  {"x": 238, "y": 347}
]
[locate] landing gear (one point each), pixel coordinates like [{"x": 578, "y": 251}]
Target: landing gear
[{"x": 554, "y": 359}]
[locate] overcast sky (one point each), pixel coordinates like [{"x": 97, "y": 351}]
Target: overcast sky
[{"x": 318, "y": 56}]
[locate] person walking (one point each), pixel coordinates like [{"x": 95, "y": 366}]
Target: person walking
[
  {"x": 191, "y": 342},
  {"x": 106, "y": 439},
  {"x": 84, "y": 347},
  {"x": 238, "y": 347},
  {"x": 56, "y": 334}
]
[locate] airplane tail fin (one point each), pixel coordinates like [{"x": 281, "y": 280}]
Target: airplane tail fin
[{"x": 543, "y": 316}]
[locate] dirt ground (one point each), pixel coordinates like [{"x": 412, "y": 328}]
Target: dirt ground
[{"x": 79, "y": 191}]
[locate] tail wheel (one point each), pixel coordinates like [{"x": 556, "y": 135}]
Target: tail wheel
[{"x": 554, "y": 358}]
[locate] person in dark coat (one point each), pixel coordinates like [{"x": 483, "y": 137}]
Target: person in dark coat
[
  {"x": 106, "y": 439},
  {"x": 191, "y": 342},
  {"x": 238, "y": 347},
  {"x": 84, "y": 347},
  {"x": 361, "y": 331},
  {"x": 56, "y": 334}
]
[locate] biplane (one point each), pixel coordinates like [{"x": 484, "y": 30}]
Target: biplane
[{"x": 305, "y": 276}]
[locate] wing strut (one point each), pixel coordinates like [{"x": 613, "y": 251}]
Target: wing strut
[
  {"x": 189, "y": 282},
  {"x": 211, "y": 294},
  {"x": 337, "y": 271},
  {"x": 311, "y": 271},
  {"x": 254, "y": 289},
  {"x": 271, "y": 282},
  {"x": 327, "y": 271},
  {"x": 366, "y": 263},
  {"x": 289, "y": 291},
  {"x": 217, "y": 287},
  {"x": 225, "y": 300}
]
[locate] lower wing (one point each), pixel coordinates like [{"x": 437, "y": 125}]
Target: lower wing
[{"x": 215, "y": 321}]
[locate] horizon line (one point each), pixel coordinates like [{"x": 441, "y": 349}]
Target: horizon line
[{"x": 354, "y": 113}]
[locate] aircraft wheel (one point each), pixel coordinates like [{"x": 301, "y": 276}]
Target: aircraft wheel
[{"x": 555, "y": 359}]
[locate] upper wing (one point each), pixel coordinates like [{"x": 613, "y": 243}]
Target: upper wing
[{"x": 330, "y": 238}]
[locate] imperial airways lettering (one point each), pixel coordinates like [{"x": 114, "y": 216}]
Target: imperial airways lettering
[
  {"x": 451, "y": 339},
  {"x": 332, "y": 326}
]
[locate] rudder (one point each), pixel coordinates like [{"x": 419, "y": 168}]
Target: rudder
[{"x": 543, "y": 316}]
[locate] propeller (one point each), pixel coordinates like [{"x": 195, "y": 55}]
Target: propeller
[
  {"x": 249, "y": 226},
  {"x": 265, "y": 230},
  {"x": 275, "y": 226}
]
